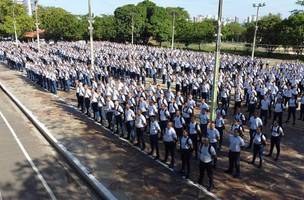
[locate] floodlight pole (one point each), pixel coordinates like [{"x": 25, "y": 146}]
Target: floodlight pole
[
  {"x": 173, "y": 29},
  {"x": 91, "y": 21},
  {"x": 37, "y": 25},
  {"x": 14, "y": 23},
  {"x": 132, "y": 41},
  {"x": 217, "y": 63},
  {"x": 258, "y": 6}
]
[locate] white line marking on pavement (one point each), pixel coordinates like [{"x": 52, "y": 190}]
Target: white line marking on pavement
[
  {"x": 1, "y": 196},
  {"x": 46, "y": 186}
]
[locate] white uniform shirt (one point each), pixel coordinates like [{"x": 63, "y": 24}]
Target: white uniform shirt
[
  {"x": 255, "y": 123},
  {"x": 152, "y": 110},
  {"x": 276, "y": 131},
  {"x": 140, "y": 121},
  {"x": 204, "y": 118},
  {"x": 154, "y": 128},
  {"x": 235, "y": 143},
  {"x": 185, "y": 143},
  {"x": 213, "y": 134},
  {"x": 265, "y": 104},
  {"x": 179, "y": 122},
  {"x": 258, "y": 137},
  {"x": 164, "y": 114},
  {"x": 129, "y": 115},
  {"x": 194, "y": 128},
  {"x": 170, "y": 135},
  {"x": 204, "y": 153},
  {"x": 279, "y": 107}
]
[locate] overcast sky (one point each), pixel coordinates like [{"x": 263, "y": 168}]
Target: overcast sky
[{"x": 232, "y": 8}]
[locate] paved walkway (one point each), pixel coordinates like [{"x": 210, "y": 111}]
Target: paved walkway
[
  {"x": 129, "y": 174},
  {"x": 30, "y": 168}
]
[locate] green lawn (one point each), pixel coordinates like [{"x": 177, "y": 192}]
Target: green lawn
[{"x": 235, "y": 48}]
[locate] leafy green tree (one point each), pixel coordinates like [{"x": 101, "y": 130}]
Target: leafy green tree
[
  {"x": 24, "y": 22},
  {"x": 159, "y": 26},
  {"x": 233, "y": 32},
  {"x": 269, "y": 26},
  {"x": 123, "y": 22},
  {"x": 104, "y": 28},
  {"x": 292, "y": 30},
  {"x": 60, "y": 24}
]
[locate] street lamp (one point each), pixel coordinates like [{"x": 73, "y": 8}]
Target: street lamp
[
  {"x": 217, "y": 62},
  {"x": 14, "y": 23},
  {"x": 91, "y": 21},
  {"x": 132, "y": 18},
  {"x": 258, "y": 6},
  {"x": 173, "y": 29},
  {"x": 37, "y": 25}
]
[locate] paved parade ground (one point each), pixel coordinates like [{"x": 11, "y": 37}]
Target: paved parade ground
[{"x": 124, "y": 170}]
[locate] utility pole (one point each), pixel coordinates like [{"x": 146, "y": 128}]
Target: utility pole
[
  {"x": 132, "y": 28},
  {"x": 217, "y": 62},
  {"x": 14, "y": 23},
  {"x": 173, "y": 29},
  {"x": 37, "y": 26},
  {"x": 91, "y": 21},
  {"x": 258, "y": 6}
]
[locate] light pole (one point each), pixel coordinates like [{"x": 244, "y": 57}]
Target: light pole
[
  {"x": 14, "y": 23},
  {"x": 37, "y": 25},
  {"x": 258, "y": 6},
  {"x": 91, "y": 21},
  {"x": 217, "y": 62},
  {"x": 132, "y": 15},
  {"x": 173, "y": 29}
]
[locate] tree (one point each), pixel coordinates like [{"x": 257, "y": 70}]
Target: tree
[
  {"x": 233, "y": 32},
  {"x": 159, "y": 26},
  {"x": 60, "y": 24},
  {"x": 24, "y": 22},
  {"x": 123, "y": 22},
  {"x": 300, "y": 3},
  {"x": 104, "y": 27},
  {"x": 292, "y": 30},
  {"x": 269, "y": 27}
]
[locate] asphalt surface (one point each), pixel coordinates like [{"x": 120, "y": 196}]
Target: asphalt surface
[{"x": 30, "y": 168}]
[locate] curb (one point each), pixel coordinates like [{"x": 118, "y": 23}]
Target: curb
[{"x": 101, "y": 190}]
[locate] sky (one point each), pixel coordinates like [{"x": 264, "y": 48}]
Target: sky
[{"x": 232, "y": 8}]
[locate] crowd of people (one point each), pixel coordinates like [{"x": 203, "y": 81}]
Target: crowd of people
[{"x": 162, "y": 95}]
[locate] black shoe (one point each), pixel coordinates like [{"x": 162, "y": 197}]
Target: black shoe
[
  {"x": 209, "y": 188},
  {"x": 268, "y": 155},
  {"x": 236, "y": 176},
  {"x": 228, "y": 171},
  {"x": 156, "y": 158}
]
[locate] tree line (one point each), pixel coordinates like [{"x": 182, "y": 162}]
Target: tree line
[{"x": 151, "y": 23}]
